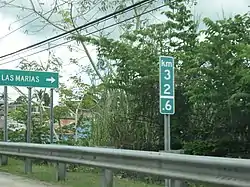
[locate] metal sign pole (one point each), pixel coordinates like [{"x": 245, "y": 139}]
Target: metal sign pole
[
  {"x": 167, "y": 143},
  {"x": 28, "y": 163},
  {"x": 5, "y": 114},
  {"x": 167, "y": 99},
  {"x": 167, "y": 138},
  {"x": 4, "y": 159},
  {"x": 51, "y": 117},
  {"x": 28, "y": 136}
]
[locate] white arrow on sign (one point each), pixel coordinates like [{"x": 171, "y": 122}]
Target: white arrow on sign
[{"x": 51, "y": 79}]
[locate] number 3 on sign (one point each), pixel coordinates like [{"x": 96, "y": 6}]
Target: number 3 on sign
[
  {"x": 167, "y": 105},
  {"x": 167, "y": 77}
]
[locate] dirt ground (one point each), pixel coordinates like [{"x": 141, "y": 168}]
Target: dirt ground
[{"x": 9, "y": 180}]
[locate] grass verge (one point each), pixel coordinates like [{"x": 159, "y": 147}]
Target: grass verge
[{"x": 74, "y": 179}]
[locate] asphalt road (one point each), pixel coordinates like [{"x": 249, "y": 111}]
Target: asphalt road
[{"x": 9, "y": 180}]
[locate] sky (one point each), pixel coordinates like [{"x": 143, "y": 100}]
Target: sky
[{"x": 215, "y": 9}]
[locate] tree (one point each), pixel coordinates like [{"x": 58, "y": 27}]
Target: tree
[
  {"x": 20, "y": 100},
  {"x": 131, "y": 98},
  {"x": 217, "y": 88},
  {"x": 212, "y": 81},
  {"x": 74, "y": 103},
  {"x": 59, "y": 113},
  {"x": 64, "y": 16},
  {"x": 43, "y": 97}
]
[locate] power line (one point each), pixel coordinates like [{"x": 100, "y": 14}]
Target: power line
[
  {"x": 78, "y": 28},
  {"x": 31, "y": 21},
  {"x": 50, "y": 11},
  {"x": 52, "y": 40},
  {"x": 61, "y": 37},
  {"x": 57, "y": 45}
]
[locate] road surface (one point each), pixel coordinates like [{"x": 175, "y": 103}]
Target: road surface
[{"x": 9, "y": 180}]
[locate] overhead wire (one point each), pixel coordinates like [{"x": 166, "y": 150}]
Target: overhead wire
[
  {"x": 77, "y": 28},
  {"x": 58, "y": 38},
  {"x": 31, "y": 21},
  {"x": 89, "y": 24},
  {"x": 109, "y": 26}
]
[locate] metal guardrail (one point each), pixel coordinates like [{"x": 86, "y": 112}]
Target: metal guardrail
[{"x": 201, "y": 169}]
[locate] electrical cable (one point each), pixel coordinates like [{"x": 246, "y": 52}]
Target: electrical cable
[
  {"x": 78, "y": 28},
  {"x": 45, "y": 43},
  {"x": 57, "y": 39},
  {"x": 31, "y": 21},
  {"x": 57, "y": 45},
  {"x": 64, "y": 36}
]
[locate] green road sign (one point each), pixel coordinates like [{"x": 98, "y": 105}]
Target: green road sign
[
  {"x": 29, "y": 78},
  {"x": 167, "y": 102}
]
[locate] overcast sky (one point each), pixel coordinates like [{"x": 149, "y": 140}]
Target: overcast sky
[{"x": 214, "y": 9}]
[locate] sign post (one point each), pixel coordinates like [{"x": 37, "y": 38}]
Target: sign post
[
  {"x": 167, "y": 102},
  {"x": 5, "y": 136},
  {"x": 51, "y": 117},
  {"x": 28, "y": 162},
  {"x": 4, "y": 160}
]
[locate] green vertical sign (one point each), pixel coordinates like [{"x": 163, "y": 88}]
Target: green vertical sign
[
  {"x": 166, "y": 79},
  {"x": 29, "y": 78}
]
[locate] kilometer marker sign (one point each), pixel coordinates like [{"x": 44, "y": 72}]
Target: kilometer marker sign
[{"x": 166, "y": 79}]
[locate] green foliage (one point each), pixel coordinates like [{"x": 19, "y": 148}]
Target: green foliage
[
  {"x": 60, "y": 112},
  {"x": 212, "y": 84},
  {"x": 217, "y": 80},
  {"x": 20, "y": 114},
  {"x": 128, "y": 115}
]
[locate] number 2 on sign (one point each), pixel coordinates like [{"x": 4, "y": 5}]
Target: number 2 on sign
[
  {"x": 167, "y": 88},
  {"x": 167, "y": 76},
  {"x": 168, "y": 105}
]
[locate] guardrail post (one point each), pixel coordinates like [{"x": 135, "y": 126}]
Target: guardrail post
[
  {"x": 61, "y": 171},
  {"x": 172, "y": 182},
  {"x": 3, "y": 160},
  {"x": 177, "y": 183},
  {"x": 28, "y": 166},
  {"x": 107, "y": 174},
  {"x": 107, "y": 178}
]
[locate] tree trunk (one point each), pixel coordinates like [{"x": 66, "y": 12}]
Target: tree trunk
[
  {"x": 61, "y": 130},
  {"x": 76, "y": 121}
]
